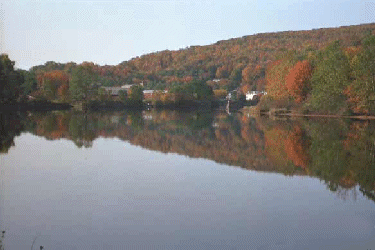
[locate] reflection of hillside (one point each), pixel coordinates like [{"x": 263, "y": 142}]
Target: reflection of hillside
[
  {"x": 221, "y": 143},
  {"x": 337, "y": 152}
]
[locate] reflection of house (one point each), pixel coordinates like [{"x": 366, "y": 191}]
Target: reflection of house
[
  {"x": 147, "y": 116},
  {"x": 149, "y": 94},
  {"x": 252, "y": 94}
]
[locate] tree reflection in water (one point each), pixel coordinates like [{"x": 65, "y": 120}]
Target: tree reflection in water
[{"x": 339, "y": 152}]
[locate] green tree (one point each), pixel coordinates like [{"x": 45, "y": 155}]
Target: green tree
[
  {"x": 82, "y": 84},
  {"x": 49, "y": 88},
  {"x": 329, "y": 80},
  {"x": 10, "y": 80},
  {"x": 29, "y": 84},
  {"x": 123, "y": 95},
  {"x": 136, "y": 93},
  {"x": 200, "y": 90},
  {"x": 103, "y": 95},
  {"x": 361, "y": 91}
]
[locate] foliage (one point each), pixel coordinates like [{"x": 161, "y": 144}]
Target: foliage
[
  {"x": 220, "y": 93},
  {"x": 136, "y": 93},
  {"x": 361, "y": 91},
  {"x": 103, "y": 95},
  {"x": 63, "y": 92},
  {"x": 297, "y": 80},
  {"x": 276, "y": 74},
  {"x": 235, "y": 63},
  {"x": 295, "y": 68},
  {"x": 29, "y": 84},
  {"x": 82, "y": 84},
  {"x": 123, "y": 95},
  {"x": 50, "y": 83},
  {"x": 329, "y": 80},
  {"x": 10, "y": 80},
  {"x": 199, "y": 89}
]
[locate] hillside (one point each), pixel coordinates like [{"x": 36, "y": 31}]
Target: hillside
[{"x": 239, "y": 62}]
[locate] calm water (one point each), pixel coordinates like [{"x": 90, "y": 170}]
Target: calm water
[{"x": 171, "y": 180}]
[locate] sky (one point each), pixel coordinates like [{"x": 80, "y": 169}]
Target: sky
[{"x": 110, "y": 32}]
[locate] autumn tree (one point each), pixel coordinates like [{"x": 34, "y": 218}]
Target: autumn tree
[
  {"x": 234, "y": 79},
  {"x": 50, "y": 82},
  {"x": 220, "y": 93},
  {"x": 361, "y": 91},
  {"x": 63, "y": 92},
  {"x": 297, "y": 80},
  {"x": 251, "y": 73},
  {"x": 275, "y": 78},
  {"x": 222, "y": 72}
]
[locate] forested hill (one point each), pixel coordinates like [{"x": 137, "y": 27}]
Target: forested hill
[{"x": 239, "y": 62}]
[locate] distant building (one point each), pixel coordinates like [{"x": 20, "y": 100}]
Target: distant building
[
  {"x": 114, "y": 91},
  {"x": 127, "y": 86},
  {"x": 252, "y": 94},
  {"x": 147, "y": 94}
]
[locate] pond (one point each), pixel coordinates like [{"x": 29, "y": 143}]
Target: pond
[{"x": 185, "y": 180}]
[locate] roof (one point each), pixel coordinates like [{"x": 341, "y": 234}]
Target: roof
[{"x": 113, "y": 90}]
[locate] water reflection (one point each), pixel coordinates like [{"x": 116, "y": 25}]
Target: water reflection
[
  {"x": 339, "y": 152},
  {"x": 11, "y": 125},
  {"x": 102, "y": 192}
]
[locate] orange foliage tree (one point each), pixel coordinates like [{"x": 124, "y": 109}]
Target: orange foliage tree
[
  {"x": 297, "y": 80},
  {"x": 275, "y": 79},
  {"x": 63, "y": 91},
  {"x": 50, "y": 82},
  {"x": 250, "y": 73}
]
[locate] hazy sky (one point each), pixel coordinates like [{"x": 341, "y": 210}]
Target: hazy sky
[{"x": 109, "y": 32}]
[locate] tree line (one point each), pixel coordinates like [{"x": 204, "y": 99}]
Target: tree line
[
  {"x": 334, "y": 80},
  {"x": 244, "y": 64}
]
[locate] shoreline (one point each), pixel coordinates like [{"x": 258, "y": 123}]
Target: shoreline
[
  {"x": 282, "y": 112},
  {"x": 358, "y": 117}
]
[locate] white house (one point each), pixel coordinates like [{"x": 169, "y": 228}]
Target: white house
[
  {"x": 250, "y": 95},
  {"x": 127, "y": 86}
]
